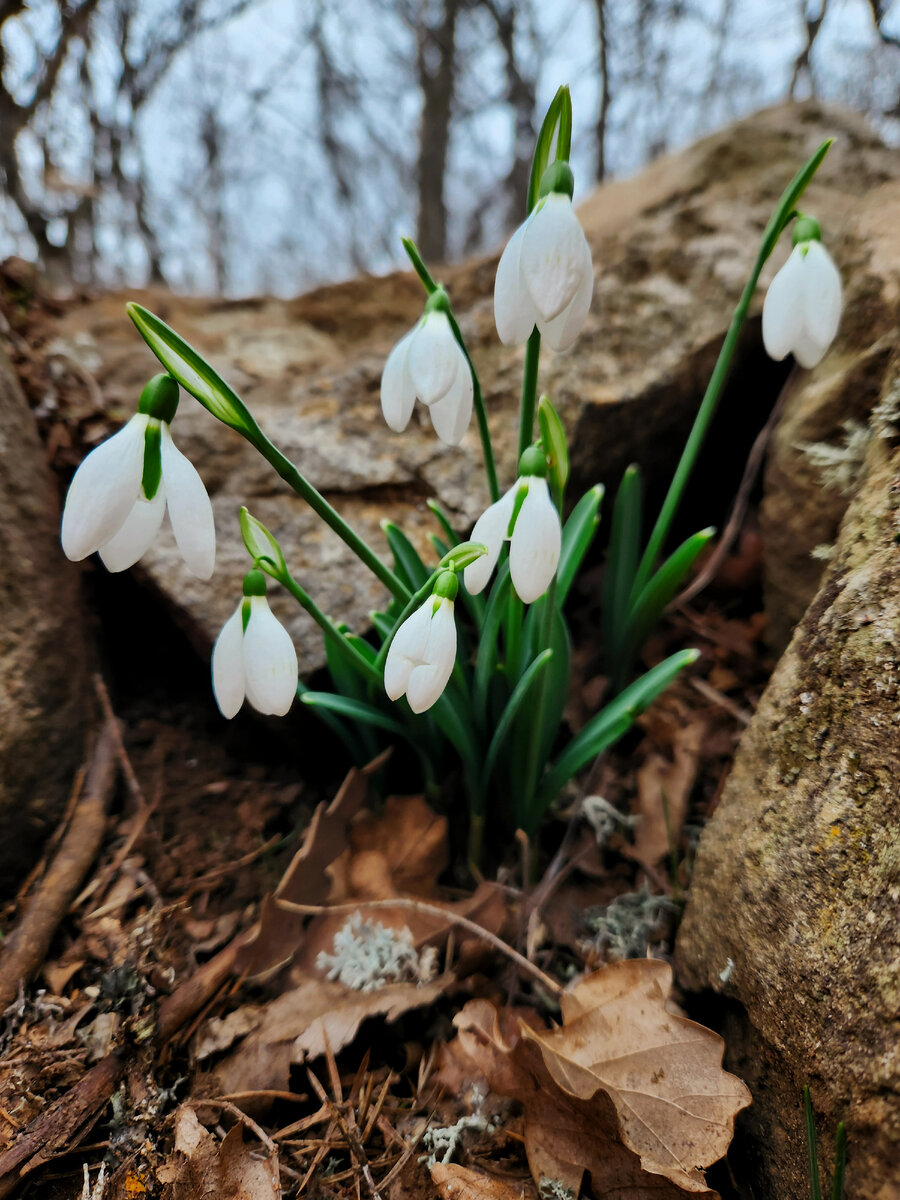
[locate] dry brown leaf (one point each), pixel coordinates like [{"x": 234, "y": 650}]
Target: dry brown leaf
[
  {"x": 664, "y": 786},
  {"x": 564, "y": 1137},
  {"x": 293, "y": 1026},
  {"x": 460, "y": 1183},
  {"x": 339, "y": 1025},
  {"x": 411, "y": 842},
  {"x": 201, "y": 1165},
  {"x": 674, "y": 1102},
  {"x": 277, "y": 934},
  {"x": 626, "y": 1090}
]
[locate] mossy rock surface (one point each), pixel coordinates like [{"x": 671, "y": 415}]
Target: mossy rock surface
[{"x": 797, "y": 878}]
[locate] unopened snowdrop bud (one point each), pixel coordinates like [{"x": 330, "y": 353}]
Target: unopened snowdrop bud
[
  {"x": 428, "y": 364},
  {"x": 527, "y": 517},
  {"x": 802, "y": 309},
  {"x": 120, "y": 493},
  {"x": 546, "y": 276},
  {"x": 254, "y": 657},
  {"x": 421, "y": 655}
]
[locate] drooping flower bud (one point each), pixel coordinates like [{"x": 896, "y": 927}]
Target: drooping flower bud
[
  {"x": 527, "y": 517},
  {"x": 422, "y": 652},
  {"x": 428, "y": 364},
  {"x": 254, "y": 657},
  {"x": 545, "y": 276},
  {"x": 802, "y": 308},
  {"x": 121, "y": 492}
]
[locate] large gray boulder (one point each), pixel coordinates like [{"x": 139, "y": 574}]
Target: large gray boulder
[
  {"x": 795, "y": 899},
  {"x": 42, "y": 642}
]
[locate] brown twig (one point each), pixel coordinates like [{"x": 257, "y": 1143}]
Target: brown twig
[
  {"x": 432, "y": 910},
  {"x": 124, "y": 761},
  {"x": 62, "y": 1123},
  {"x": 26, "y": 949},
  {"x": 243, "y": 1119}
]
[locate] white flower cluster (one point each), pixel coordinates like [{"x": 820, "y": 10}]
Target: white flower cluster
[{"x": 545, "y": 278}]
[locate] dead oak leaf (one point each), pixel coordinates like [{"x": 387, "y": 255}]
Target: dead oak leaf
[
  {"x": 565, "y": 1137},
  {"x": 663, "y": 790},
  {"x": 410, "y": 842},
  {"x": 674, "y": 1103},
  {"x": 454, "y": 1182},
  {"x": 202, "y": 1166}
]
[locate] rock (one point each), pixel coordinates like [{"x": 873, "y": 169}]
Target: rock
[
  {"x": 42, "y": 665},
  {"x": 797, "y": 877},
  {"x": 672, "y": 249},
  {"x": 829, "y": 408}
]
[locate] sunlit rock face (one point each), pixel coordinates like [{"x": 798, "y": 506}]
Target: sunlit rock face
[{"x": 672, "y": 248}]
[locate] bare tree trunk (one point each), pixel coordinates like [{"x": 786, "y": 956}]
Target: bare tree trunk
[
  {"x": 802, "y": 63},
  {"x": 435, "y": 66},
  {"x": 521, "y": 96},
  {"x": 211, "y": 136},
  {"x": 600, "y": 130}
]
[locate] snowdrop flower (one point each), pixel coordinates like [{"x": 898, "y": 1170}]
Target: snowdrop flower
[
  {"x": 802, "y": 309},
  {"x": 421, "y": 655},
  {"x": 532, "y": 527},
  {"x": 429, "y": 364},
  {"x": 546, "y": 276},
  {"x": 254, "y": 657},
  {"x": 120, "y": 493}
]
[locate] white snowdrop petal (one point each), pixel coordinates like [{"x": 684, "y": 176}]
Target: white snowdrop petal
[
  {"x": 103, "y": 490},
  {"x": 228, "y": 666},
  {"x": 451, "y": 415},
  {"x": 536, "y": 542},
  {"x": 490, "y": 531},
  {"x": 427, "y": 681},
  {"x": 434, "y": 358},
  {"x": 189, "y": 507},
  {"x": 135, "y": 537},
  {"x": 553, "y": 256},
  {"x": 270, "y": 661},
  {"x": 514, "y": 312},
  {"x": 807, "y": 351},
  {"x": 562, "y": 331},
  {"x": 398, "y": 395},
  {"x": 822, "y": 307},
  {"x": 407, "y": 649},
  {"x": 441, "y": 649},
  {"x": 782, "y": 318}
]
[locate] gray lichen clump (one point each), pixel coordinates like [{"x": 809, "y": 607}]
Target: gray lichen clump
[{"x": 368, "y": 955}]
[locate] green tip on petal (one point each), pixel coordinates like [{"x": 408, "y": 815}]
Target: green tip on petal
[
  {"x": 254, "y": 583},
  {"x": 806, "y": 229},
  {"x": 533, "y": 462},
  {"x": 159, "y": 398},
  {"x": 557, "y": 178},
  {"x": 446, "y": 585},
  {"x": 438, "y": 301}
]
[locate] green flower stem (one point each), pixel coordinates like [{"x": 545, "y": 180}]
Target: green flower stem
[
  {"x": 529, "y": 392},
  {"x": 323, "y": 509},
  {"x": 784, "y": 212},
  {"x": 328, "y": 627},
  {"x": 527, "y": 818},
  {"x": 513, "y": 633},
  {"x": 412, "y": 252},
  {"x": 487, "y": 447}
]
